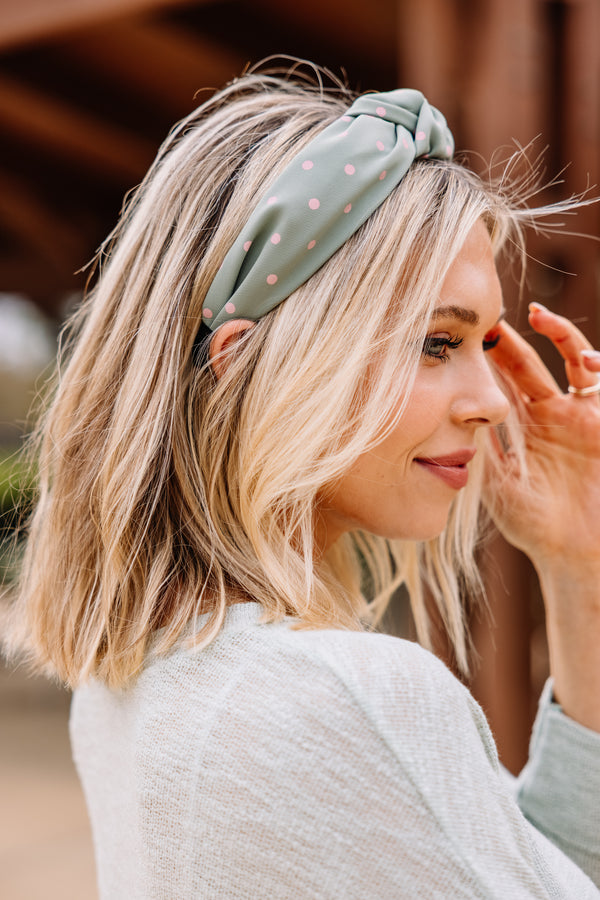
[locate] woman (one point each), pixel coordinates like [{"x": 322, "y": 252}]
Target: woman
[{"x": 225, "y": 476}]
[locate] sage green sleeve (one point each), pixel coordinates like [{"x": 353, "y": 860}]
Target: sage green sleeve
[{"x": 558, "y": 791}]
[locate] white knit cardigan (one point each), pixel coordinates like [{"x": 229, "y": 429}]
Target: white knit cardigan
[{"x": 335, "y": 765}]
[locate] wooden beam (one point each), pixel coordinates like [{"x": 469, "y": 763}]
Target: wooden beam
[
  {"x": 27, "y": 21},
  {"x": 161, "y": 62},
  {"x": 360, "y": 30},
  {"x": 485, "y": 70},
  {"x": 40, "y": 229},
  {"x": 428, "y": 57},
  {"x": 54, "y": 125},
  {"x": 580, "y": 143},
  {"x": 25, "y": 273},
  {"x": 506, "y": 76},
  {"x": 501, "y": 682}
]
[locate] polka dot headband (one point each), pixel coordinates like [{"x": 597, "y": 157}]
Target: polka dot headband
[{"x": 322, "y": 197}]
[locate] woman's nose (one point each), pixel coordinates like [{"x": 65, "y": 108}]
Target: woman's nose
[{"x": 482, "y": 401}]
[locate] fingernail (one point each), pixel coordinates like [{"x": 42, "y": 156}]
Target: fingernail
[
  {"x": 591, "y": 354},
  {"x": 491, "y": 339},
  {"x": 537, "y": 307}
]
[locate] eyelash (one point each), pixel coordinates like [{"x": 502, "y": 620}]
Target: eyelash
[
  {"x": 451, "y": 343},
  {"x": 441, "y": 343}
]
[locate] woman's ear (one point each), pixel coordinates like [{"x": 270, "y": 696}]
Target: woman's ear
[{"x": 223, "y": 340}]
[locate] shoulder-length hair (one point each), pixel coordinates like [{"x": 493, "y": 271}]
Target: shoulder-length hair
[{"x": 166, "y": 493}]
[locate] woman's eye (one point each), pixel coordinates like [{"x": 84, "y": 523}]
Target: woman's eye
[{"x": 437, "y": 346}]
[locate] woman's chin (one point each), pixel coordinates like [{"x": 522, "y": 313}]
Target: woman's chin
[{"x": 429, "y": 525}]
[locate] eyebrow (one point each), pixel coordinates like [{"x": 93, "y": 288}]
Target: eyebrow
[{"x": 461, "y": 314}]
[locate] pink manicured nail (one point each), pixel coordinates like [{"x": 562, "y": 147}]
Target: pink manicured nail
[
  {"x": 591, "y": 354},
  {"x": 537, "y": 307}
]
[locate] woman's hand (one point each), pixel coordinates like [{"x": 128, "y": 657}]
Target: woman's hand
[
  {"x": 560, "y": 513},
  {"x": 555, "y": 520}
]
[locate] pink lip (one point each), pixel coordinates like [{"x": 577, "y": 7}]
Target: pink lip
[{"x": 451, "y": 468}]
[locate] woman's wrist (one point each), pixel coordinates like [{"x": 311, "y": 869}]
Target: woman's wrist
[
  {"x": 570, "y": 584},
  {"x": 572, "y": 601}
]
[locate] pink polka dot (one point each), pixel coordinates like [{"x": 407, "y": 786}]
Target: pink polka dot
[
  {"x": 344, "y": 134},
  {"x": 380, "y": 145},
  {"x": 420, "y": 136},
  {"x": 307, "y": 164},
  {"x": 314, "y": 203},
  {"x": 271, "y": 201},
  {"x": 349, "y": 169},
  {"x": 275, "y": 238},
  {"x": 380, "y": 110},
  {"x": 383, "y": 174},
  {"x": 448, "y": 149},
  {"x": 311, "y": 244},
  {"x": 207, "y": 313},
  {"x": 348, "y": 208},
  {"x": 346, "y": 119},
  {"x": 247, "y": 245},
  {"x": 405, "y": 143},
  {"x": 229, "y": 308},
  {"x": 271, "y": 279}
]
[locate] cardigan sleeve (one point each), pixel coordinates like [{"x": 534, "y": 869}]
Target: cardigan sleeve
[{"x": 559, "y": 788}]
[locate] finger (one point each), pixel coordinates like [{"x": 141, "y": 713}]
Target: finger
[
  {"x": 591, "y": 360},
  {"x": 568, "y": 340},
  {"x": 518, "y": 359}
]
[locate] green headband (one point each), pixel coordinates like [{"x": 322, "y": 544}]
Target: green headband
[{"x": 322, "y": 197}]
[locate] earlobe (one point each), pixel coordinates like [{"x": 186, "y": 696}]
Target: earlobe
[{"x": 223, "y": 340}]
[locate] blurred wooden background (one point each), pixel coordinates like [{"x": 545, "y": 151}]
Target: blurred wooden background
[{"x": 88, "y": 89}]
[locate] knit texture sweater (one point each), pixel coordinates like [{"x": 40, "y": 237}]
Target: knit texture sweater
[{"x": 285, "y": 764}]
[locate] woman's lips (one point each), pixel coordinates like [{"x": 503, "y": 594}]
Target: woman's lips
[{"x": 451, "y": 468}]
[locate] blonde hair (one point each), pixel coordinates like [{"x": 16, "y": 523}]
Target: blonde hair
[{"x": 164, "y": 492}]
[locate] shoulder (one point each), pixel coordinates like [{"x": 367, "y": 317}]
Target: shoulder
[
  {"x": 280, "y": 662},
  {"x": 363, "y": 654},
  {"x": 398, "y": 684},
  {"x": 282, "y": 678},
  {"x": 394, "y": 686},
  {"x": 376, "y": 665}
]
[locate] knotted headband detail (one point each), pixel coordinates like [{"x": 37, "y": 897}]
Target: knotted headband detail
[{"x": 321, "y": 198}]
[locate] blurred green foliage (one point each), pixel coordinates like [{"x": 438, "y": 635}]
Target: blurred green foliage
[{"x": 16, "y": 496}]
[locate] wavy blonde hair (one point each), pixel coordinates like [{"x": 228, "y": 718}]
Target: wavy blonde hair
[{"x": 166, "y": 493}]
